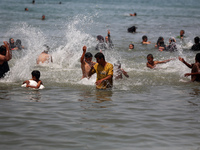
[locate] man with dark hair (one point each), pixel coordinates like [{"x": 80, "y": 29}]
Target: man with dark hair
[
  {"x": 196, "y": 46},
  {"x": 104, "y": 72},
  {"x": 5, "y": 56},
  {"x": 86, "y": 62},
  {"x": 145, "y": 40}
]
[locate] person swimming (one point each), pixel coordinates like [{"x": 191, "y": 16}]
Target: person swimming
[
  {"x": 132, "y": 29},
  {"x": 131, "y": 47}
]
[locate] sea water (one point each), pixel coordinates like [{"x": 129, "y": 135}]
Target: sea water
[{"x": 152, "y": 109}]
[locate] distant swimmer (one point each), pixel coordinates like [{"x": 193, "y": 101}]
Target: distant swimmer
[
  {"x": 195, "y": 72},
  {"x": 43, "y": 17},
  {"x": 145, "y": 40},
  {"x": 134, "y": 14},
  {"x": 26, "y": 9},
  {"x": 196, "y": 46},
  {"x": 5, "y": 56},
  {"x": 132, "y": 29},
  {"x": 119, "y": 72},
  {"x": 182, "y": 32},
  {"x": 35, "y": 82},
  {"x": 104, "y": 71},
  {"x": 152, "y": 64},
  {"x": 44, "y": 57},
  {"x": 33, "y": 2},
  {"x": 131, "y": 47},
  {"x": 160, "y": 44},
  {"x": 86, "y": 62}
]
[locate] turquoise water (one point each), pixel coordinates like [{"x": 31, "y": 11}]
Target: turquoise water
[{"x": 152, "y": 109}]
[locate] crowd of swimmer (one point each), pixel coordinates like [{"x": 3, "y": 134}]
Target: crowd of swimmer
[{"x": 101, "y": 67}]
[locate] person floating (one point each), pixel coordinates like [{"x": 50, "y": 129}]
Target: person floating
[
  {"x": 86, "y": 62},
  {"x": 152, "y": 64},
  {"x": 104, "y": 71},
  {"x": 35, "y": 82},
  {"x": 134, "y": 14},
  {"x": 131, "y": 47}
]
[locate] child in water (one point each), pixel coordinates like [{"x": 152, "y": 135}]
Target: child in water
[
  {"x": 35, "y": 82},
  {"x": 118, "y": 71},
  {"x": 131, "y": 47},
  {"x": 152, "y": 64}
]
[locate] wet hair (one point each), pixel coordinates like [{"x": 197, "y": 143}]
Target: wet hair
[
  {"x": 197, "y": 58},
  {"x": 3, "y": 50},
  {"x": 144, "y": 37},
  {"x": 150, "y": 55},
  {"x": 88, "y": 55},
  {"x": 160, "y": 39},
  {"x": 100, "y": 38},
  {"x": 132, "y": 29},
  {"x": 135, "y": 14},
  {"x": 36, "y": 74},
  {"x": 196, "y": 39},
  {"x": 99, "y": 55}
]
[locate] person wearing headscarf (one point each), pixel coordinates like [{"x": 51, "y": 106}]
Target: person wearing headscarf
[
  {"x": 19, "y": 44},
  {"x": 172, "y": 45},
  {"x": 108, "y": 41},
  {"x": 12, "y": 44},
  {"x": 101, "y": 45}
]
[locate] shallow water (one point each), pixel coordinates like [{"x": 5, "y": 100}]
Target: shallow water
[{"x": 152, "y": 109}]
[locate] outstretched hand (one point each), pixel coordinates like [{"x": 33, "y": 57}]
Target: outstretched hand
[{"x": 187, "y": 74}]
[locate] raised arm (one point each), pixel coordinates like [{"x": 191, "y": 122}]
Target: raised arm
[
  {"x": 83, "y": 55},
  {"x": 8, "y": 55}
]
